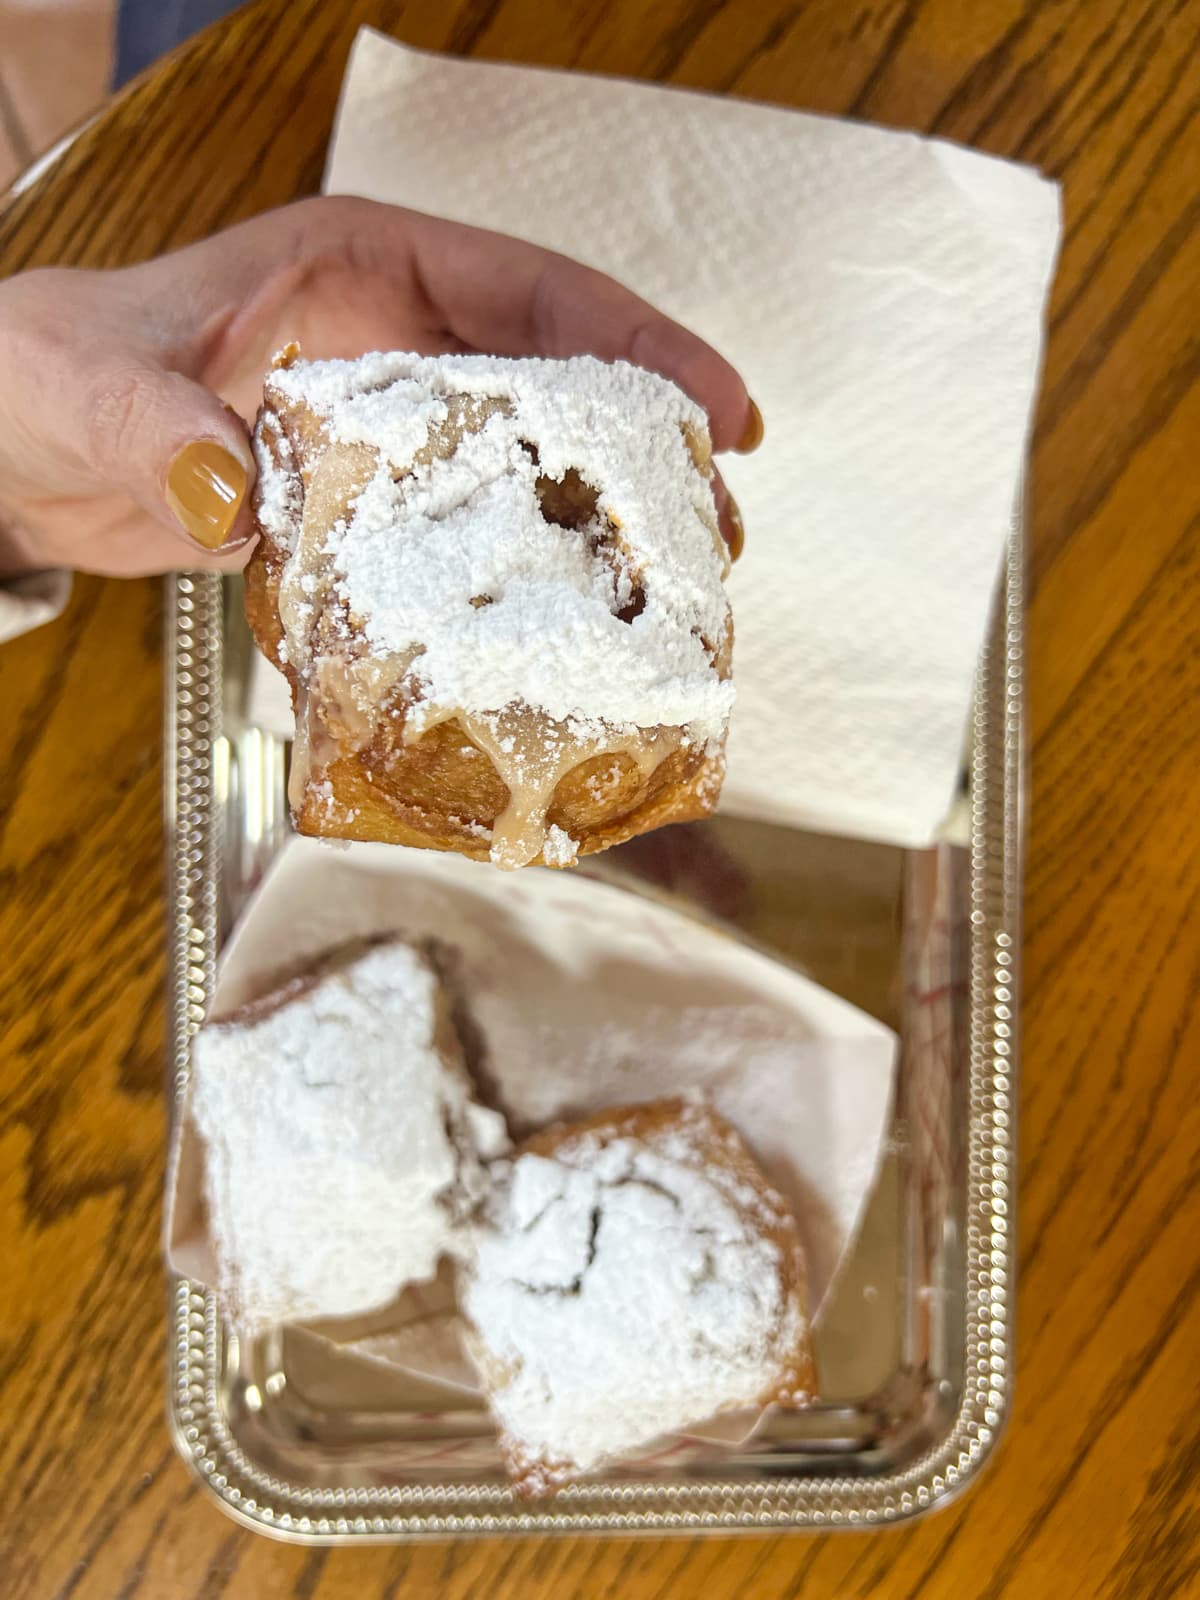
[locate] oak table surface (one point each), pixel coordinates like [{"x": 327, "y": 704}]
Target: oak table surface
[{"x": 1093, "y": 1491}]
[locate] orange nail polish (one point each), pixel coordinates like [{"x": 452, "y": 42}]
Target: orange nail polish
[
  {"x": 752, "y": 434},
  {"x": 737, "y": 529},
  {"x": 205, "y": 488}
]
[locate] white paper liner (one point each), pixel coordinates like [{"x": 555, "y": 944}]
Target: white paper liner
[{"x": 575, "y": 995}]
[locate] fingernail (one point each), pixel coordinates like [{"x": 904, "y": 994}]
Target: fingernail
[
  {"x": 737, "y": 529},
  {"x": 205, "y": 488},
  {"x": 752, "y": 434}
]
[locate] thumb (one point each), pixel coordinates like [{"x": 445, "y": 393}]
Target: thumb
[{"x": 177, "y": 450}]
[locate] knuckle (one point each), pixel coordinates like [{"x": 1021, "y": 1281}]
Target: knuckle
[
  {"x": 324, "y": 218},
  {"x": 120, "y": 402}
]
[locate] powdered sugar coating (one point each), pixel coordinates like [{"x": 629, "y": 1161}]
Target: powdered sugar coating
[
  {"x": 340, "y": 1144},
  {"x": 277, "y": 497},
  {"x": 453, "y": 558},
  {"x": 623, "y": 1292},
  {"x": 559, "y": 850}
]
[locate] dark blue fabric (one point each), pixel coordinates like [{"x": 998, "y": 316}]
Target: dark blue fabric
[{"x": 147, "y": 29}]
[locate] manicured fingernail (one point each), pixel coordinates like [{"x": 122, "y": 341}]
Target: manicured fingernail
[
  {"x": 737, "y": 529},
  {"x": 752, "y": 434},
  {"x": 205, "y": 488}
]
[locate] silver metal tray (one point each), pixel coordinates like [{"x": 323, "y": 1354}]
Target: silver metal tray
[{"x": 914, "y": 1348}]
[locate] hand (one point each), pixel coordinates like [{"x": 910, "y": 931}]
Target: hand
[{"x": 117, "y": 454}]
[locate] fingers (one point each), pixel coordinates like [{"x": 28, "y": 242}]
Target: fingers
[
  {"x": 472, "y": 287},
  {"x": 469, "y": 287},
  {"x": 442, "y": 283},
  {"x": 172, "y": 446},
  {"x": 508, "y": 297}
]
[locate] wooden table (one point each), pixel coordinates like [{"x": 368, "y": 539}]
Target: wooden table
[{"x": 1094, "y": 1491}]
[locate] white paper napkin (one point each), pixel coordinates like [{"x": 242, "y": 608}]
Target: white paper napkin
[{"x": 882, "y": 295}]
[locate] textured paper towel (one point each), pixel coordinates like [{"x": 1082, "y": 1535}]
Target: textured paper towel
[{"x": 882, "y": 294}]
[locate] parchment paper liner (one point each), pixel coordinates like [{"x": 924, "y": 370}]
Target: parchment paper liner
[{"x": 571, "y": 995}]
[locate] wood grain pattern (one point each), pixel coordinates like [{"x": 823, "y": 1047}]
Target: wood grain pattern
[{"x": 1094, "y": 1491}]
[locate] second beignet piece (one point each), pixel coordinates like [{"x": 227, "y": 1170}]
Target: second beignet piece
[
  {"x": 496, "y": 588},
  {"x": 635, "y": 1274}
]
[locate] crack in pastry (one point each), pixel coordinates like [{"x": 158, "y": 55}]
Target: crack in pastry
[
  {"x": 575, "y": 1285},
  {"x": 633, "y": 1275},
  {"x": 490, "y": 583}
]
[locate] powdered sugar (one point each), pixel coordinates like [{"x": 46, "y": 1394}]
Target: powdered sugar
[
  {"x": 622, "y": 1293},
  {"x": 340, "y": 1144},
  {"x": 277, "y": 493},
  {"x": 559, "y": 850},
  {"x": 610, "y": 620},
  {"x": 395, "y": 420}
]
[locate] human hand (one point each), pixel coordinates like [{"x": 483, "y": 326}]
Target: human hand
[{"x": 122, "y": 394}]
